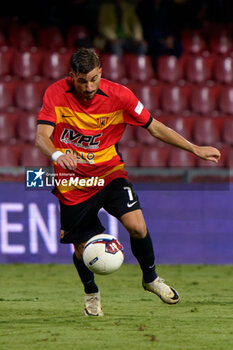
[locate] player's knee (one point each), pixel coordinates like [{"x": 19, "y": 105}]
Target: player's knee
[
  {"x": 137, "y": 231},
  {"x": 78, "y": 249}
]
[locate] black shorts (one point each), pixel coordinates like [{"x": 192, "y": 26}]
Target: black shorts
[{"x": 80, "y": 222}]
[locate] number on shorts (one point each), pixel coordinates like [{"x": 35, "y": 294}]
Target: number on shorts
[{"x": 130, "y": 193}]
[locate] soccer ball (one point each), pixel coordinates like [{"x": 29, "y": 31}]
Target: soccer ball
[{"x": 103, "y": 254}]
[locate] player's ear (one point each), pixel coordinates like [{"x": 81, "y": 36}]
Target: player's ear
[
  {"x": 72, "y": 75},
  {"x": 100, "y": 71}
]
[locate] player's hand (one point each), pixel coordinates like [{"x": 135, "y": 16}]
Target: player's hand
[
  {"x": 207, "y": 153},
  {"x": 67, "y": 161}
]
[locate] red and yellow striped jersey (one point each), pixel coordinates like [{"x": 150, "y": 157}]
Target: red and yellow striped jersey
[{"x": 91, "y": 131}]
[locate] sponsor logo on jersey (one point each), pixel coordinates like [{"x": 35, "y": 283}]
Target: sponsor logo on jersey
[
  {"x": 129, "y": 205},
  {"x": 79, "y": 140},
  {"x": 139, "y": 108}
]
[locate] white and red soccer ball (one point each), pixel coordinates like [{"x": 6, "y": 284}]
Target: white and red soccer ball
[{"x": 103, "y": 254}]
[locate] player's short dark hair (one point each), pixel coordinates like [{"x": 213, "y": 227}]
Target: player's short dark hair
[{"x": 84, "y": 60}]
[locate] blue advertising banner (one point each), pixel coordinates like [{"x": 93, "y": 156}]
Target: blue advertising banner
[{"x": 190, "y": 225}]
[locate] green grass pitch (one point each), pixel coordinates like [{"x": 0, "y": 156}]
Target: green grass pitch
[{"x": 41, "y": 307}]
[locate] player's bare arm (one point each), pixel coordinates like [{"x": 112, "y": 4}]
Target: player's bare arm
[
  {"x": 167, "y": 135},
  {"x": 45, "y": 144}
]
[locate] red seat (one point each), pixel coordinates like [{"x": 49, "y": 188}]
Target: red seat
[
  {"x": 174, "y": 99},
  {"x": 229, "y": 158},
  {"x": 27, "y": 126},
  {"x": 193, "y": 42},
  {"x": 226, "y": 99},
  {"x": 128, "y": 137},
  {"x": 6, "y": 95},
  {"x": 50, "y": 38},
  {"x": 139, "y": 68},
  {"x": 199, "y": 69},
  {"x": 32, "y": 156},
  {"x": 207, "y": 131},
  {"x": 28, "y": 96},
  {"x": 43, "y": 84},
  {"x": 223, "y": 69},
  {"x": 55, "y": 65},
  {"x": 210, "y": 28},
  {"x": 2, "y": 39},
  {"x": 20, "y": 37},
  {"x": 130, "y": 155},
  {"x": 181, "y": 125},
  {"x": 221, "y": 44},
  {"x": 153, "y": 156},
  {"x": 203, "y": 99},
  {"x": 227, "y": 131},
  {"x": 26, "y": 63},
  {"x": 181, "y": 158},
  {"x": 8, "y": 123},
  {"x": 9, "y": 155},
  {"x": 113, "y": 67},
  {"x": 149, "y": 96},
  {"x": 5, "y": 60},
  {"x": 76, "y": 33},
  {"x": 169, "y": 68}
]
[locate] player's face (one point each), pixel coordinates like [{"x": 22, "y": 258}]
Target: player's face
[{"x": 87, "y": 85}]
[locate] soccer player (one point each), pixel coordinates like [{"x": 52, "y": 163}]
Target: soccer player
[{"x": 81, "y": 122}]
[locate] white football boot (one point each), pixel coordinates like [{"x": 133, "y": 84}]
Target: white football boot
[
  {"x": 93, "y": 305},
  {"x": 166, "y": 293}
]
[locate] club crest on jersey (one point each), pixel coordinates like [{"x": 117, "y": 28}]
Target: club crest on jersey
[{"x": 102, "y": 121}]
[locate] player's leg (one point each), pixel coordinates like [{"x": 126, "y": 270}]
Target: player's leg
[
  {"x": 123, "y": 203},
  {"x": 141, "y": 243},
  {"x": 92, "y": 295},
  {"x": 79, "y": 223},
  {"x": 142, "y": 248},
  {"x": 86, "y": 276}
]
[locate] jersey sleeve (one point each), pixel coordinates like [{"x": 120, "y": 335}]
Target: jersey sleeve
[
  {"x": 134, "y": 111},
  {"x": 47, "y": 113}
]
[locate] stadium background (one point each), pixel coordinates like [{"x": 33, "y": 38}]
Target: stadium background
[{"x": 187, "y": 202}]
